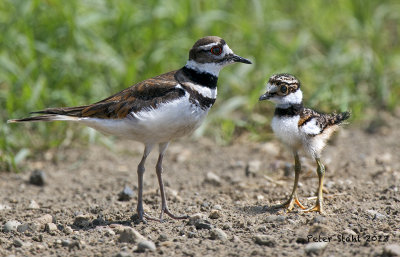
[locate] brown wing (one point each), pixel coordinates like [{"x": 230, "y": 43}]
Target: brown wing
[{"x": 143, "y": 95}]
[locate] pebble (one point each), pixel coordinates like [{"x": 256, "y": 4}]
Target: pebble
[
  {"x": 213, "y": 179},
  {"x": 376, "y": 215},
  {"x": 163, "y": 238},
  {"x": 260, "y": 198},
  {"x": 126, "y": 194},
  {"x": 264, "y": 240},
  {"x": 349, "y": 232},
  {"x": 23, "y": 227},
  {"x": 252, "y": 168},
  {"x": 38, "y": 178},
  {"x": 271, "y": 149},
  {"x": 33, "y": 205},
  {"x": 65, "y": 242},
  {"x": 217, "y": 207},
  {"x": 215, "y": 214},
  {"x": 82, "y": 221},
  {"x": 218, "y": 234},
  {"x": 385, "y": 158},
  {"x": 318, "y": 219},
  {"x": 123, "y": 254},
  {"x": 275, "y": 218},
  {"x": 203, "y": 224},
  {"x": 11, "y": 225},
  {"x": 146, "y": 245},
  {"x": 47, "y": 218},
  {"x": 51, "y": 227},
  {"x": 18, "y": 243},
  {"x": 316, "y": 248},
  {"x": 4, "y": 207},
  {"x": 130, "y": 235},
  {"x": 68, "y": 230},
  {"x": 109, "y": 232},
  {"x": 195, "y": 217},
  {"x": 391, "y": 250}
]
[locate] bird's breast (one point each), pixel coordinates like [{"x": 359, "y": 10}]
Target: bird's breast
[{"x": 286, "y": 129}]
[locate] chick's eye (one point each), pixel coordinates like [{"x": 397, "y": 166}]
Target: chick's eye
[
  {"x": 283, "y": 89},
  {"x": 216, "y": 50}
]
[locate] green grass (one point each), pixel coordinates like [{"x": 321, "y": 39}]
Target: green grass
[{"x": 65, "y": 53}]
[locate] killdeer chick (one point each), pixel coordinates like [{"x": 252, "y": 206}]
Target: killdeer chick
[
  {"x": 299, "y": 127},
  {"x": 157, "y": 110}
]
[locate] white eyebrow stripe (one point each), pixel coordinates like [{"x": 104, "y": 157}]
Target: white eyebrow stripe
[
  {"x": 208, "y": 46},
  {"x": 227, "y": 50}
]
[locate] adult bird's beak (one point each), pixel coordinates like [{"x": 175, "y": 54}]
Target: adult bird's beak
[
  {"x": 264, "y": 97},
  {"x": 237, "y": 58}
]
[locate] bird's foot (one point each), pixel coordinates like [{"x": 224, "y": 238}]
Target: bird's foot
[
  {"x": 316, "y": 208},
  {"x": 173, "y": 216},
  {"x": 142, "y": 217},
  {"x": 289, "y": 204}
]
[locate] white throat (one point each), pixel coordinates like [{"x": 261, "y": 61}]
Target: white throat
[
  {"x": 211, "y": 68},
  {"x": 287, "y": 101}
]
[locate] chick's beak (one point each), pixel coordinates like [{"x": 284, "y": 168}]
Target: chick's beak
[{"x": 264, "y": 97}]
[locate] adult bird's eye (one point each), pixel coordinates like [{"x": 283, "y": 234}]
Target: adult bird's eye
[
  {"x": 283, "y": 89},
  {"x": 216, "y": 50}
]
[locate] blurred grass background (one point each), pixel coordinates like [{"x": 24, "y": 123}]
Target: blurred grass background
[{"x": 65, "y": 53}]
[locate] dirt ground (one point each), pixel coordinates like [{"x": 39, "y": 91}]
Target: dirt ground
[{"x": 362, "y": 199}]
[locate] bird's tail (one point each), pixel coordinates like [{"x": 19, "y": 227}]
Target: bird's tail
[
  {"x": 53, "y": 114},
  {"x": 339, "y": 118}
]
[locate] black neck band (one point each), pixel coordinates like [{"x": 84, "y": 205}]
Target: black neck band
[
  {"x": 205, "y": 79},
  {"x": 292, "y": 110}
]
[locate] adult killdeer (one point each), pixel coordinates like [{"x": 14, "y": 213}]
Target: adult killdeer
[
  {"x": 299, "y": 127},
  {"x": 156, "y": 110}
]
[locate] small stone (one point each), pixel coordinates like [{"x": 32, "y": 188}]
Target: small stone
[
  {"x": 391, "y": 250},
  {"x": 349, "y": 232},
  {"x": 319, "y": 229},
  {"x": 123, "y": 254},
  {"x": 195, "y": 217},
  {"x": 213, "y": 179},
  {"x": 163, "y": 238},
  {"x": 203, "y": 224},
  {"x": 264, "y": 240},
  {"x": 215, "y": 214},
  {"x": 47, "y": 218},
  {"x": 33, "y": 205},
  {"x": 11, "y": 225},
  {"x": 316, "y": 248},
  {"x": 109, "y": 232},
  {"x": 275, "y": 218},
  {"x": 146, "y": 245},
  {"x": 217, "y": 207},
  {"x": 65, "y": 242},
  {"x": 82, "y": 221},
  {"x": 318, "y": 220},
  {"x": 4, "y": 207},
  {"x": 130, "y": 235},
  {"x": 385, "y": 158},
  {"x": 38, "y": 178},
  {"x": 18, "y": 243},
  {"x": 376, "y": 215},
  {"x": 270, "y": 148},
  {"x": 51, "y": 227},
  {"x": 252, "y": 168},
  {"x": 218, "y": 234},
  {"x": 126, "y": 194},
  {"x": 68, "y": 230},
  {"x": 23, "y": 227},
  {"x": 260, "y": 198}
]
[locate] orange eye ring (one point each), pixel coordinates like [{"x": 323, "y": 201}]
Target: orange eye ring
[{"x": 216, "y": 50}]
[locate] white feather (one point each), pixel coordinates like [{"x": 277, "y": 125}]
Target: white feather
[
  {"x": 170, "y": 120},
  {"x": 204, "y": 91},
  {"x": 311, "y": 127},
  {"x": 211, "y": 68},
  {"x": 287, "y": 130}
]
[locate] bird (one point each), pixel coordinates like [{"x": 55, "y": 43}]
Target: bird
[
  {"x": 157, "y": 110},
  {"x": 300, "y": 128}
]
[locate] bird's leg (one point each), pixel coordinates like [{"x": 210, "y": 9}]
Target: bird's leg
[
  {"x": 321, "y": 174},
  {"x": 159, "y": 170},
  {"x": 289, "y": 204},
  {"x": 140, "y": 171}
]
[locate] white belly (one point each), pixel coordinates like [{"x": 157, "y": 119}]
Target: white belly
[
  {"x": 286, "y": 129},
  {"x": 170, "y": 120}
]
